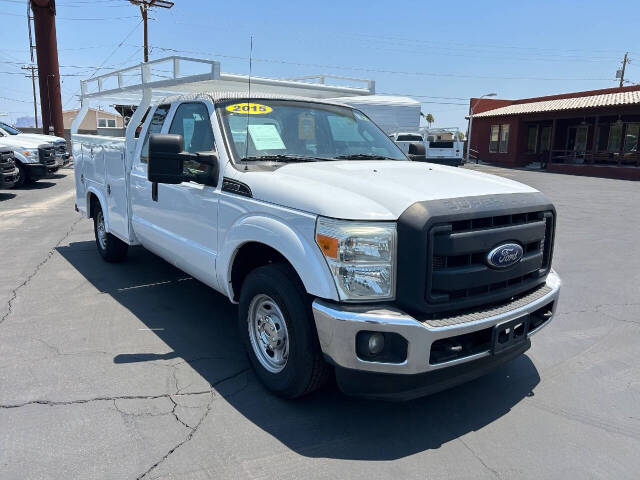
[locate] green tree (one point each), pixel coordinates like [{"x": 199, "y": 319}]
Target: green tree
[{"x": 429, "y": 118}]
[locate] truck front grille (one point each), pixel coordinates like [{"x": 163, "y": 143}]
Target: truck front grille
[
  {"x": 444, "y": 245},
  {"x": 47, "y": 155},
  {"x": 457, "y": 269},
  {"x": 61, "y": 148},
  {"x": 6, "y": 162}
]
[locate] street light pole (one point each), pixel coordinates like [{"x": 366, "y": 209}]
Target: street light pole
[{"x": 471, "y": 107}]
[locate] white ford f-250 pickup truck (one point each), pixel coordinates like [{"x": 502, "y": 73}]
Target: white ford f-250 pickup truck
[{"x": 403, "y": 278}]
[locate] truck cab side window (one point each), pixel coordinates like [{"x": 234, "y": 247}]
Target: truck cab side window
[
  {"x": 192, "y": 121},
  {"x": 155, "y": 126}
]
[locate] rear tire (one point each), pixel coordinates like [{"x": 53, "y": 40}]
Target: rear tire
[
  {"x": 111, "y": 248},
  {"x": 278, "y": 330}
]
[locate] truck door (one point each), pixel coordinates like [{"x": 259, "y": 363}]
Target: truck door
[{"x": 183, "y": 222}]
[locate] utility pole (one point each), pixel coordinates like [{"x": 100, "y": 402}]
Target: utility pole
[
  {"x": 624, "y": 66},
  {"x": 32, "y": 68},
  {"x": 145, "y": 5},
  {"x": 44, "y": 21}
]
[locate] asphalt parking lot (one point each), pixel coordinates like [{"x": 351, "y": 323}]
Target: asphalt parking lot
[{"x": 136, "y": 371}]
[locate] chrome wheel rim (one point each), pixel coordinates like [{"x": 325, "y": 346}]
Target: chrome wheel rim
[
  {"x": 101, "y": 231},
  {"x": 268, "y": 333}
]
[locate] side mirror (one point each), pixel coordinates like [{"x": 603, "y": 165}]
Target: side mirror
[
  {"x": 417, "y": 152},
  {"x": 209, "y": 176},
  {"x": 165, "y": 159}
]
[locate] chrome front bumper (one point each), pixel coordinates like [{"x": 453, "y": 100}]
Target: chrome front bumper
[{"x": 338, "y": 324}]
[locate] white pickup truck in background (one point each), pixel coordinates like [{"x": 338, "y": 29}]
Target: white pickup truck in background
[
  {"x": 59, "y": 143},
  {"x": 401, "y": 278},
  {"x": 34, "y": 156},
  {"x": 444, "y": 146},
  {"x": 405, "y": 139}
]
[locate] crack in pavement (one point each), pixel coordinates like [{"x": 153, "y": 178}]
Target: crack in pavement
[
  {"x": 585, "y": 418},
  {"x": 193, "y": 429},
  {"x": 473, "y": 452},
  {"x": 53, "y": 403},
  {"x": 189, "y": 436},
  {"x": 14, "y": 292},
  {"x": 173, "y": 411}
]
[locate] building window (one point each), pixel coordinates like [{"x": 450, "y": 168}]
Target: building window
[
  {"x": 545, "y": 139},
  {"x": 532, "y": 139},
  {"x": 106, "y": 123},
  {"x": 504, "y": 138},
  {"x": 615, "y": 137},
  {"x": 602, "y": 136},
  {"x": 494, "y": 138},
  {"x": 631, "y": 137}
]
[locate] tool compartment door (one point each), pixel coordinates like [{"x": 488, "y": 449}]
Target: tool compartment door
[{"x": 115, "y": 178}]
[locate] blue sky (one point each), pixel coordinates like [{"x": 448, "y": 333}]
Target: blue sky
[{"x": 440, "y": 52}]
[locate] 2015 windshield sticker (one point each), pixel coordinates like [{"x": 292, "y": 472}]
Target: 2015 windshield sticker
[{"x": 249, "y": 108}]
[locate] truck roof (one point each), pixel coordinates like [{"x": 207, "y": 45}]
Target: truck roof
[{"x": 220, "y": 96}]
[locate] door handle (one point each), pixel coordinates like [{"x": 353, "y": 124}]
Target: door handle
[{"x": 108, "y": 189}]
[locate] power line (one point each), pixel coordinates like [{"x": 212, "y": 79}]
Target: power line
[
  {"x": 386, "y": 71},
  {"x": 72, "y": 18},
  {"x": 15, "y": 100},
  {"x": 61, "y": 75},
  {"x": 473, "y": 45},
  {"x": 108, "y": 57}
]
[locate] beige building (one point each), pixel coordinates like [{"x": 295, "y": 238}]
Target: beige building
[{"x": 93, "y": 120}]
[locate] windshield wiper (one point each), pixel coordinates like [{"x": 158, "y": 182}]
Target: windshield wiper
[
  {"x": 281, "y": 158},
  {"x": 363, "y": 156}
]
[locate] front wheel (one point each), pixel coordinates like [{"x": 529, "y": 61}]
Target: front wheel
[
  {"x": 23, "y": 177},
  {"x": 111, "y": 248},
  {"x": 276, "y": 324}
]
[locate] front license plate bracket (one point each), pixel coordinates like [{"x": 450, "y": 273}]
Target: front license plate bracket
[{"x": 510, "y": 334}]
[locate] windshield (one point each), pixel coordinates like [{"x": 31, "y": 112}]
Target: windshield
[
  {"x": 287, "y": 131},
  {"x": 9, "y": 129}
]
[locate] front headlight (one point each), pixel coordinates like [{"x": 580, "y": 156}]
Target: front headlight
[
  {"x": 30, "y": 154},
  {"x": 361, "y": 257}
]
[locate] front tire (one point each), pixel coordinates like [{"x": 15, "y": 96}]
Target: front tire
[
  {"x": 23, "y": 176},
  {"x": 277, "y": 327},
  {"x": 111, "y": 248}
]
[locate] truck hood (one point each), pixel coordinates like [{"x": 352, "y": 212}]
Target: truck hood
[
  {"x": 18, "y": 141},
  {"x": 370, "y": 190},
  {"x": 41, "y": 138}
]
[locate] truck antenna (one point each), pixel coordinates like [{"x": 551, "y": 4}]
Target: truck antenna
[{"x": 246, "y": 137}]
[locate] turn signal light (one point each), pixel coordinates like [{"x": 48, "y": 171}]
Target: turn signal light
[{"x": 328, "y": 245}]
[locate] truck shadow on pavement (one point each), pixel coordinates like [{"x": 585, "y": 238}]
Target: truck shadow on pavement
[
  {"x": 39, "y": 185},
  {"x": 199, "y": 326},
  {"x": 6, "y": 196}
]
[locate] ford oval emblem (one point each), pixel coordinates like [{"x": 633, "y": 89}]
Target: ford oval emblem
[{"x": 505, "y": 255}]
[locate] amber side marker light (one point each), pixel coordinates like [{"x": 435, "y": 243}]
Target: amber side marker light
[{"x": 328, "y": 245}]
